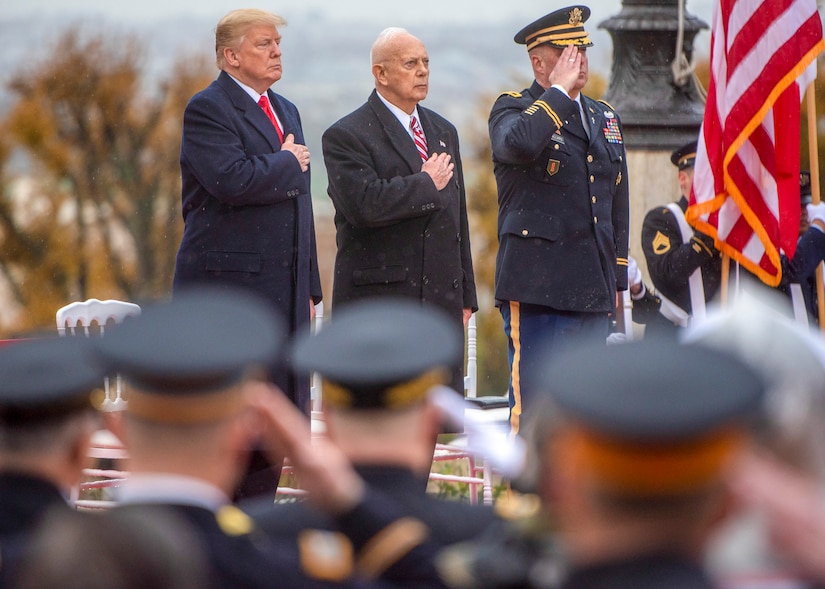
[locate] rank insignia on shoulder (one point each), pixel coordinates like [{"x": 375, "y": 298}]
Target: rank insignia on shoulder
[
  {"x": 233, "y": 521},
  {"x": 325, "y": 555},
  {"x": 612, "y": 132},
  {"x": 661, "y": 243},
  {"x": 511, "y": 94},
  {"x": 553, "y": 167},
  {"x": 558, "y": 138}
]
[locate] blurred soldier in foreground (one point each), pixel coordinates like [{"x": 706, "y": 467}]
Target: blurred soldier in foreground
[
  {"x": 777, "y": 537},
  {"x": 379, "y": 360},
  {"x": 193, "y": 414},
  {"x": 629, "y": 466},
  {"x": 46, "y": 424}
]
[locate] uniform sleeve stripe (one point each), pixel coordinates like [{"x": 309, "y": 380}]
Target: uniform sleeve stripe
[
  {"x": 621, "y": 261},
  {"x": 390, "y": 545},
  {"x": 550, "y": 112}
]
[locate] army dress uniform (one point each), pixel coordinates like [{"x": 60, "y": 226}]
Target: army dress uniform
[
  {"x": 563, "y": 208},
  {"x": 46, "y": 382},
  {"x": 626, "y": 444},
  {"x": 186, "y": 363},
  {"x": 369, "y": 370},
  {"x": 671, "y": 260}
]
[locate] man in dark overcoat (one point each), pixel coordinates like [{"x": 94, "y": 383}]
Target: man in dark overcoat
[
  {"x": 561, "y": 171},
  {"x": 247, "y": 207},
  {"x": 396, "y": 181}
]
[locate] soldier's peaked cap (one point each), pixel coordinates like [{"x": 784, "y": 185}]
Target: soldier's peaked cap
[
  {"x": 685, "y": 156},
  {"x": 203, "y": 340},
  {"x": 46, "y": 377},
  {"x": 380, "y": 353},
  {"x": 560, "y": 28},
  {"x": 652, "y": 391}
]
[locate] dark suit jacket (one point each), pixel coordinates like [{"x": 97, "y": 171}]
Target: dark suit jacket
[
  {"x": 247, "y": 207},
  {"x": 563, "y": 201},
  {"x": 397, "y": 234}
]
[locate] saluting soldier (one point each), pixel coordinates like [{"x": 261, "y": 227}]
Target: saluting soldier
[
  {"x": 46, "y": 423},
  {"x": 195, "y": 409},
  {"x": 630, "y": 464},
  {"x": 560, "y": 166},
  {"x": 684, "y": 265},
  {"x": 378, "y": 410}
]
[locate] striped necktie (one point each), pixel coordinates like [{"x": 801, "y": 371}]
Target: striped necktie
[
  {"x": 263, "y": 102},
  {"x": 418, "y": 137}
]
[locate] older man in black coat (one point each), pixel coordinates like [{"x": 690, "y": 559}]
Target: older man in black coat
[{"x": 396, "y": 181}]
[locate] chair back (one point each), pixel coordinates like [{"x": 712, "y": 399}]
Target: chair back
[{"x": 80, "y": 319}]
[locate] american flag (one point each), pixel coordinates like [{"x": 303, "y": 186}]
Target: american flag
[{"x": 746, "y": 176}]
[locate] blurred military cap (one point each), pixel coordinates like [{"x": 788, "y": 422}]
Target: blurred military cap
[
  {"x": 203, "y": 340},
  {"x": 47, "y": 377},
  {"x": 381, "y": 353}
]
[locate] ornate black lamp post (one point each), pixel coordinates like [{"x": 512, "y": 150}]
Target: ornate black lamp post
[{"x": 657, "y": 113}]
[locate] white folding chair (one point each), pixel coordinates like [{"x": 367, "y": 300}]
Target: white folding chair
[
  {"x": 87, "y": 319},
  {"x": 454, "y": 451}
]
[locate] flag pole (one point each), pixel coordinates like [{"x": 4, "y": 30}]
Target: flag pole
[
  {"x": 813, "y": 156},
  {"x": 723, "y": 286}
]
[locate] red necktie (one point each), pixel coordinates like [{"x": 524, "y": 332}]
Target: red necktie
[
  {"x": 263, "y": 102},
  {"x": 418, "y": 137}
]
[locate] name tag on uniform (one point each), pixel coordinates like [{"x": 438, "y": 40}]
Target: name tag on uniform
[
  {"x": 557, "y": 137},
  {"x": 612, "y": 132}
]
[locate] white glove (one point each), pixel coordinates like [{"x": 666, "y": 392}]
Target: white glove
[
  {"x": 634, "y": 275},
  {"x": 616, "y": 338},
  {"x": 815, "y": 211}
]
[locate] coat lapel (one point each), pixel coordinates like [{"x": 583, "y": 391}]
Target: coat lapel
[
  {"x": 253, "y": 113},
  {"x": 397, "y": 134}
]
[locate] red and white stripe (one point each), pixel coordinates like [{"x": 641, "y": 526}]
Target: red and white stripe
[
  {"x": 419, "y": 138},
  {"x": 746, "y": 179}
]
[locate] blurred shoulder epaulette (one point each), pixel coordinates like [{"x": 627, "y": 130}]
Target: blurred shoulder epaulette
[
  {"x": 233, "y": 521},
  {"x": 325, "y": 555},
  {"x": 518, "y": 506},
  {"x": 511, "y": 94},
  {"x": 606, "y": 103}
]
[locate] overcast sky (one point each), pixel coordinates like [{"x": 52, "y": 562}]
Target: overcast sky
[{"x": 454, "y": 10}]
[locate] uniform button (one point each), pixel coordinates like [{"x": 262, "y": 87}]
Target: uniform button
[
  {"x": 458, "y": 237},
  {"x": 595, "y": 219},
  {"x": 524, "y": 232},
  {"x": 426, "y": 233},
  {"x": 555, "y": 146},
  {"x": 425, "y": 280},
  {"x": 593, "y": 199},
  {"x": 589, "y": 158},
  {"x": 592, "y": 178},
  {"x": 455, "y": 283}
]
